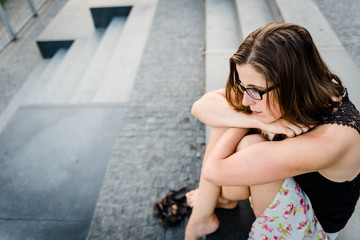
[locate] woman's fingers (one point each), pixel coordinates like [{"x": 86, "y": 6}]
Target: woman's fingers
[
  {"x": 298, "y": 130},
  {"x": 305, "y": 129},
  {"x": 295, "y": 130},
  {"x": 282, "y": 126},
  {"x": 290, "y": 133}
]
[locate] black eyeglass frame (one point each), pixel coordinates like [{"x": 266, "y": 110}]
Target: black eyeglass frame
[{"x": 240, "y": 85}]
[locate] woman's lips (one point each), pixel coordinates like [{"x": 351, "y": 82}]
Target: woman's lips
[{"x": 256, "y": 113}]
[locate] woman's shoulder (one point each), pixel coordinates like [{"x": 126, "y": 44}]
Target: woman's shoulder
[{"x": 343, "y": 142}]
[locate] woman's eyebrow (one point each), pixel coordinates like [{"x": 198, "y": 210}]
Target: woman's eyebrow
[
  {"x": 254, "y": 86},
  {"x": 251, "y": 85}
]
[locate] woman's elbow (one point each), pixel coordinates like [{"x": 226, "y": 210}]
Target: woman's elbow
[{"x": 194, "y": 108}]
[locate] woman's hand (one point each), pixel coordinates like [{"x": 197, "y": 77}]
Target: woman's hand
[{"x": 282, "y": 126}]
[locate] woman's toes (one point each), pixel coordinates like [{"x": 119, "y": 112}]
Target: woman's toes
[{"x": 191, "y": 197}]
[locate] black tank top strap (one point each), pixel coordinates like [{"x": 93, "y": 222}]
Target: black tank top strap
[{"x": 343, "y": 113}]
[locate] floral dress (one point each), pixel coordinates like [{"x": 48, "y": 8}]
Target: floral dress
[{"x": 289, "y": 216}]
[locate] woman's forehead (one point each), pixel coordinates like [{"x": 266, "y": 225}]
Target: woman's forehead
[{"x": 249, "y": 76}]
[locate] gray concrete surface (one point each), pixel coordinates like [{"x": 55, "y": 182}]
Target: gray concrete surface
[
  {"x": 344, "y": 18},
  {"x": 161, "y": 144},
  {"x": 53, "y": 161}
]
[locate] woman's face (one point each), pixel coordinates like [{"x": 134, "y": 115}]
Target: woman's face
[{"x": 250, "y": 78}]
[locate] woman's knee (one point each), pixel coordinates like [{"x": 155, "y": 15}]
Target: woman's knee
[{"x": 249, "y": 140}]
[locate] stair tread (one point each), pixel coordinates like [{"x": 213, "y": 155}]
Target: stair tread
[
  {"x": 53, "y": 85},
  {"x": 120, "y": 74},
  {"x": 253, "y": 14},
  {"x": 72, "y": 69},
  {"x": 220, "y": 13},
  {"x": 35, "y": 93},
  {"x": 22, "y": 93},
  {"x": 92, "y": 77}
]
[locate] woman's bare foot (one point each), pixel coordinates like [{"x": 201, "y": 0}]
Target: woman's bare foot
[
  {"x": 221, "y": 203},
  {"x": 196, "y": 228}
]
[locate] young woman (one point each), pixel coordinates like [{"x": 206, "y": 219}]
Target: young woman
[{"x": 304, "y": 186}]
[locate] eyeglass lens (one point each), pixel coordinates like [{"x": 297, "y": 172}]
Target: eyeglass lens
[{"x": 250, "y": 91}]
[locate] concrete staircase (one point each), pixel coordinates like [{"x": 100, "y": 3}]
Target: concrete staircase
[
  {"x": 69, "y": 110},
  {"x": 241, "y": 17},
  {"x": 100, "y": 65},
  {"x": 75, "y": 75}
]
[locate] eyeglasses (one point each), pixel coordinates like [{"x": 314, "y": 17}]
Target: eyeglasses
[{"x": 254, "y": 93}]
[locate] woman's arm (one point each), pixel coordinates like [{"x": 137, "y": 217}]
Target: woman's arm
[
  {"x": 269, "y": 161},
  {"x": 213, "y": 110}
]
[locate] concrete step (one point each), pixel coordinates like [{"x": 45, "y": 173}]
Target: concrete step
[
  {"x": 62, "y": 86},
  {"x": 253, "y": 14},
  {"x": 91, "y": 79},
  {"x": 55, "y": 81},
  {"x": 122, "y": 68},
  {"x": 221, "y": 41},
  {"x": 23, "y": 92},
  {"x": 220, "y": 16},
  {"x": 35, "y": 94}
]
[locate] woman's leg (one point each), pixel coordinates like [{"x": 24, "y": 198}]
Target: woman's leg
[
  {"x": 203, "y": 220},
  {"x": 241, "y": 193},
  {"x": 261, "y": 195}
]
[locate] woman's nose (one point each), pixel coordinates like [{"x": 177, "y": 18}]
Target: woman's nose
[{"x": 247, "y": 100}]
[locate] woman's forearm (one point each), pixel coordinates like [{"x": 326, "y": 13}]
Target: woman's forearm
[{"x": 213, "y": 110}]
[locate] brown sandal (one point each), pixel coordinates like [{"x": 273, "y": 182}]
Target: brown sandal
[{"x": 173, "y": 207}]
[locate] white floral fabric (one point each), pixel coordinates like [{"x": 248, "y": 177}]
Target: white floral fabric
[{"x": 289, "y": 216}]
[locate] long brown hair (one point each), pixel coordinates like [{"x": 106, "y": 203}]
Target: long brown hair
[{"x": 286, "y": 54}]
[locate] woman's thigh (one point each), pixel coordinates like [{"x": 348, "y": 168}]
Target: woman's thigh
[{"x": 262, "y": 195}]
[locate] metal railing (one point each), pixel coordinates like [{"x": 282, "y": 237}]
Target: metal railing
[{"x": 14, "y": 14}]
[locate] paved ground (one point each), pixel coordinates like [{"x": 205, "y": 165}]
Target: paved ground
[
  {"x": 344, "y": 19},
  {"x": 159, "y": 144}
]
